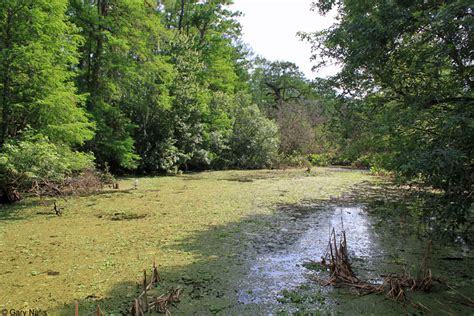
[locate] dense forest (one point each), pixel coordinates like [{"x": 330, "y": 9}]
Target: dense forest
[{"x": 150, "y": 87}]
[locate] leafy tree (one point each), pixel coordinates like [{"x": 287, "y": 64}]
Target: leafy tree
[
  {"x": 122, "y": 47},
  {"x": 407, "y": 68},
  {"x": 190, "y": 102},
  {"x": 284, "y": 94},
  {"x": 274, "y": 83},
  {"x": 254, "y": 141},
  {"x": 213, "y": 29},
  {"x": 209, "y": 71},
  {"x": 38, "y": 50},
  {"x": 42, "y": 116},
  {"x": 147, "y": 104},
  {"x": 220, "y": 123}
]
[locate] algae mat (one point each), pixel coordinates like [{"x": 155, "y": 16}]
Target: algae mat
[{"x": 196, "y": 226}]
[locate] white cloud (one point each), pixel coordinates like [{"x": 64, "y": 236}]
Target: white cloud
[{"x": 270, "y": 27}]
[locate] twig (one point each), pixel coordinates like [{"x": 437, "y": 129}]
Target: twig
[
  {"x": 464, "y": 296},
  {"x": 145, "y": 296}
]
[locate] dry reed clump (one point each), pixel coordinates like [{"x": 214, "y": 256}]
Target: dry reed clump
[
  {"x": 336, "y": 260},
  {"x": 146, "y": 302},
  {"x": 396, "y": 285}
]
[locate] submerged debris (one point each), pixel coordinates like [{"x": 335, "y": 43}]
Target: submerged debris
[
  {"x": 161, "y": 302},
  {"x": 336, "y": 260},
  {"x": 146, "y": 302}
]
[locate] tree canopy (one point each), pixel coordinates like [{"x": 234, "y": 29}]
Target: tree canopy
[
  {"x": 137, "y": 86},
  {"x": 405, "y": 87},
  {"x": 161, "y": 86}
]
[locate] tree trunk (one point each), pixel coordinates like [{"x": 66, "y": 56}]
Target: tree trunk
[
  {"x": 181, "y": 15},
  {"x": 9, "y": 195},
  {"x": 96, "y": 61},
  {"x": 5, "y": 96}
]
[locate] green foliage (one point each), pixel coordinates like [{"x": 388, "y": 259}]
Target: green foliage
[
  {"x": 38, "y": 50},
  {"x": 320, "y": 160},
  {"x": 122, "y": 71},
  {"x": 378, "y": 171},
  {"x": 275, "y": 83},
  {"x": 220, "y": 125},
  {"x": 190, "y": 103},
  {"x": 163, "y": 87},
  {"x": 405, "y": 88},
  {"x": 364, "y": 161},
  {"x": 37, "y": 161},
  {"x": 160, "y": 83},
  {"x": 284, "y": 94},
  {"x": 254, "y": 143},
  {"x": 42, "y": 115}
]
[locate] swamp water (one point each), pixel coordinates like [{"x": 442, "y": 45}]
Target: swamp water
[
  {"x": 286, "y": 268},
  {"x": 280, "y": 278}
]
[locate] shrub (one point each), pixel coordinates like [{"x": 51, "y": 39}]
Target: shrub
[
  {"x": 364, "y": 161},
  {"x": 320, "y": 160},
  {"x": 288, "y": 161},
  {"x": 34, "y": 163},
  {"x": 254, "y": 142},
  {"x": 379, "y": 171}
]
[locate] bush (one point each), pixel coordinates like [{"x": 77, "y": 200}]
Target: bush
[
  {"x": 320, "y": 160},
  {"x": 289, "y": 161},
  {"x": 254, "y": 142},
  {"x": 34, "y": 163},
  {"x": 379, "y": 171},
  {"x": 364, "y": 161}
]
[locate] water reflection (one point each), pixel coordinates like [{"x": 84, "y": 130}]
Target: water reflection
[{"x": 280, "y": 269}]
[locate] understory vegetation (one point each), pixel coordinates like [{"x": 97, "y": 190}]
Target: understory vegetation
[{"x": 147, "y": 87}]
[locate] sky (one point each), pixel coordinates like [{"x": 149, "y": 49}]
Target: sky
[{"x": 270, "y": 27}]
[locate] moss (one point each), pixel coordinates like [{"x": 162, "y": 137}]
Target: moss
[{"x": 313, "y": 265}]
